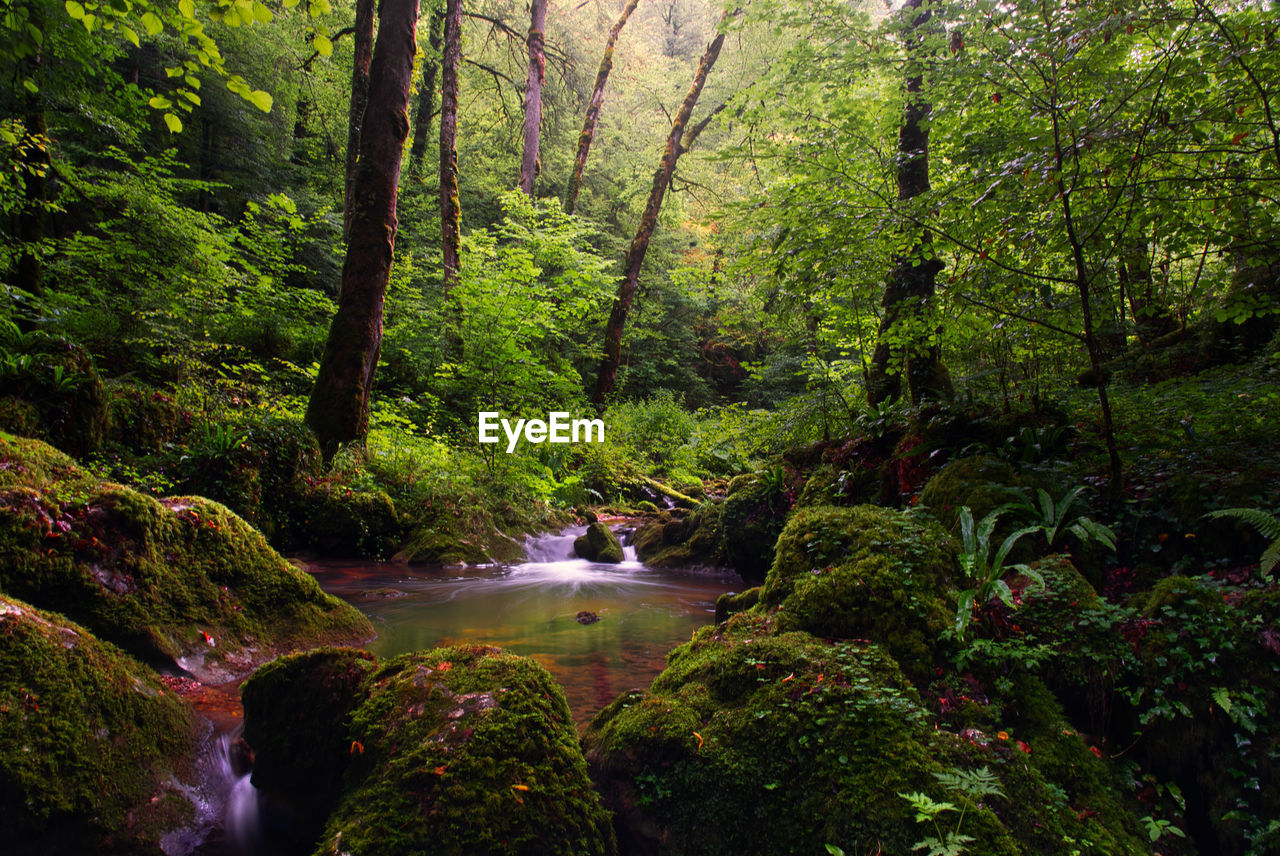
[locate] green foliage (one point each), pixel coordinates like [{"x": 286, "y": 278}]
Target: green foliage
[
  {"x": 1055, "y": 519},
  {"x": 1266, "y": 524},
  {"x": 968, "y": 785},
  {"x": 983, "y": 567}
]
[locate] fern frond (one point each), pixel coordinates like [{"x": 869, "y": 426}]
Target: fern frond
[{"x": 1267, "y": 524}]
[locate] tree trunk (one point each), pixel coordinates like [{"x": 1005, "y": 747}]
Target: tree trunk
[
  {"x": 339, "y": 408},
  {"x": 363, "y": 55},
  {"x": 450, "y": 227},
  {"x": 427, "y": 95},
  {"x": 649, "y": 220},
  {"x": 902, "y": 344},
  {"x": 1151, "y": 318},
  {"x": 33, "y": 157},
  {"x": 593, "y": 108},
  {"x": 529, "y": 163}
]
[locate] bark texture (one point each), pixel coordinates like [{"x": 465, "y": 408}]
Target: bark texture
[
  {"x": 362, "y": 35},
  {"x": 529, "y": 162},
  {"x": 427, "y": 94},
  {"x": 902, "y": 344},
  {"x": 450, "y": 210},
  {"x": 593, "y": 107},
  {"x": 339, "y": 408},
  {"x": 677, "y": 142}
]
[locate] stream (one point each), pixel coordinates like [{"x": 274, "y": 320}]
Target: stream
[{"x": 600, "y": 629}]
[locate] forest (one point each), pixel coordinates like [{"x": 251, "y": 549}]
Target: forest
[{"x": 936, "y": 348}]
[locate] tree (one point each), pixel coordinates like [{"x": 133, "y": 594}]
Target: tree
[
  {"x": 450, "y": 227},
  {"x": 426, "y": 93},
  {"x": 339, "y": 407},
  {"x": 678, "y": 141},
  {"x": 362, "y": 55},
  {"x": 905, "y": 343},
  {"x": 529, "y": 163},
  {"x": 593, "y": 107}
]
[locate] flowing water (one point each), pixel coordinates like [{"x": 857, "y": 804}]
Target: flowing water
[
  {"x": 600, "y": 629},
  {"x": 533, "y": 609}
]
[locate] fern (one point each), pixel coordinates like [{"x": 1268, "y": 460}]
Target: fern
[{"x": 1267, "y": 524}]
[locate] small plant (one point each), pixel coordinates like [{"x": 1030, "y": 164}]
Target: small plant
[
  {"x": 983, "y": 568},
  {"x": 1267, "y": 524},
  {"x": 1056, "y": 519},
  {"x": 219, "y": 439},
  {"x": 967, "y": 785}
]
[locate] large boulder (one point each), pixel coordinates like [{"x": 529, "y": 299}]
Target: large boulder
[
  {"x": 598, "y": 544},
  {"x": 92, "y": 745},
  {"x": 865, "y": 572},
  {"x": 180, "y": 580},
  {"x": 50, "y": 389},
  {"x": 682, "y": 540},
  {"x": 452, "y": 751},
  {"x": 753, "y": 515}
]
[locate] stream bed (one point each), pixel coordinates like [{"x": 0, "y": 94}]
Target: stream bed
[{"x": 533, "y": 609}]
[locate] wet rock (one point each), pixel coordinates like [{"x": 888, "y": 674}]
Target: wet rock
[
  {"x": 598, "y": 544},
  {"x": 181, "y": 580},
  {"x": 587, "y": 617}
]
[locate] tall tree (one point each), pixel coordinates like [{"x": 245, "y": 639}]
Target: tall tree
[
  {"x": 529, "y": 163},
  {"x": 677, "y": 143},
  {"x": 903, "y": 344},
  {"x": 593, "y": 107},
  {"x": 426, "y": 93},
  {"x": 339, "y": 407},
  {"x": 450, "y": 228},
  {"x": 362, "y": 56}
]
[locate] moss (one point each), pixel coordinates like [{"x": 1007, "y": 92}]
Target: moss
[
  {"x": 598, "y": 544},
  {"x": 181, "y": 580},
  {"x": 18, "y": 416},
  {"x": 832, "y": 485},
  {"x": 1183, "y": 593},
  {"x": 460, "y": 539},
  {"x": 449, "y": 751},
  {"x": 753, "y": 516},
  {"x": 59, "y": 380},
  {"x": 343, "y": 522},
  {"x": 733, "y": 602},
  {"x": 864, "y": 572},
  {"x": 690, "y": 541},
  {"x": 144, "y": 421},
  {"x": 979, "y": 482},
  {"x": 90, "y": 742},
  {"x": 754, "y": 743}
]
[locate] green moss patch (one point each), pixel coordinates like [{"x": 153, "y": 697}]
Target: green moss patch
[
  {"x": 449, "y": 751},
  {"x": 598, "y": 544},
  {"x": 90, "y": 742},
  {"x": 181, "y": 580}
]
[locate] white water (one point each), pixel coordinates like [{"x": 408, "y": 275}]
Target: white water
[{"x": 226, "y": 802}]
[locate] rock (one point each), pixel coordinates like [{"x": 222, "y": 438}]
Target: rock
[
  {"x": 980, "y": 482},
  {"x": 868, "y": 573},
  {"x": 92, "y": 745},
  {"x": 587, "y": 617},
  {"x": 689, "y": 541},
  {"x": 451, "y": 751},
  {"x": 598, "y": 544},
  {"x": 181, "y": 580},
  {"x": 65, "y": 402}
]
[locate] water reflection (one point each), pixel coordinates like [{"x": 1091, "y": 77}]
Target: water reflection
[{"x": 532, "y": 609}]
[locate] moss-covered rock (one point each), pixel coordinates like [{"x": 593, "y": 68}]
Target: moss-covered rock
[
  {"x": 61, "y": 384},
  {"x": 982, "y": 483},
  {"x": 342, "y": 522},
  {"x": 144, "y": 421},
  {"x": 91, "y": 744},
  {"x": 181, "y": 580},
  {"x": 691, "y": 540},
  {"x": 450, "y": 751},
  {"x": 753, "y": 515},
  {"x": 598, "y": 544},
  {"x": 460, "y": 537},
  {"x": 864, "y": 572},
  {"x": 731, "y": 603},
  {"x": 759, "y": 742}
]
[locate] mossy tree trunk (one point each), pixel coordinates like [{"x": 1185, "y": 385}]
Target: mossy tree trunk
[
  {"x": 426, "y": 94},
  {"x": 903, "y": 344},
  {"x": 339, "y": 408},
  {"x": 593, "y": 108},
  {"x": 676, "y": 146},
  {"x": 529, "y": 162},
  {"x": 449, "y": 207},
  {"x": 362, "y": 36}
]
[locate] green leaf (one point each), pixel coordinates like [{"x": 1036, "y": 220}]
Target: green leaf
[
  {"x": 151, "y": 21},
  {"x": 323, "y": 46},
  {"x": 74, "y": 9},
  {"x": 131, "y": 36},
  {"x": 188, "y": 9},
  {"x": 174, "y": 123},
  {"x": 30, "y": 85},
  {"x": 1223, "y": 698},
  {"x": 261, "y": 100},
  {"x": 261, "y": 13},
  {"x": 159, "y": 102}
]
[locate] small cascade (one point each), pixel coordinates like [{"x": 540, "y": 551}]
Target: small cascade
[
  {"x": 226, "y": 822},
  {"x": 553, "y": 547}
]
